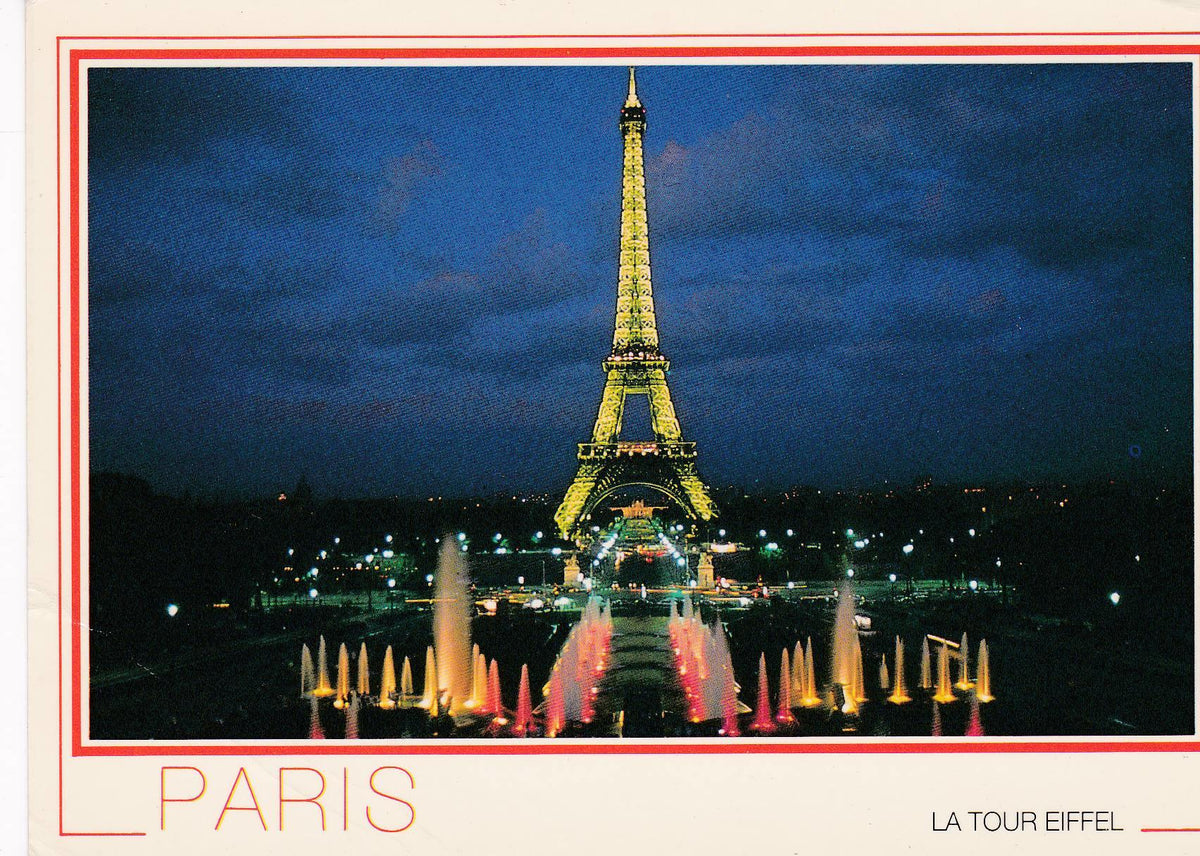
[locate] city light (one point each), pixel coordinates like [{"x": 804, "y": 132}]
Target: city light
[
  {"x": 291, "y": 551},
  {"x": 172, "y": 609},
  {"x": 772, "y": 546},
  {"x": 312, "y": 572},
  {"x": 762, "y": 533},
  {"x": 369, "y": 558},
  {"x": 1115, "y": 597},
  {"x": 891, "y": 578},
  {"x": 721, "y": 533},
  {"x": 791, "y": 584},
  {"x": 556, "y": 551},
  {"x": 391, "y": 583},
  {"x": 859, "y": 544},
  {"x": 971, "y": 532},
  {"x": 850, "y": 572},
  {"x": 312, "y": 592},
  {"x": 537, "y": 603},
  {"x": 520, "y": 581},
  {"x": 337, "y": 540},
  {"x": 562, "y": 601},
  {"x": 682, "y": 562},
  {"x": 501, "y": 551},
  {"x": 974, "y": 584},
  {"x": 849, "y": 533},
  {"x": 497, "y": 537},
  {"x": 387, "y": 538},
  {"x": 462, "y": 536},
  {"x": 790, "y": 533},
  {"x": 537, "y": 536},
  {"x": 429, "y": 578},
  {"x": 907, "y": 549}
]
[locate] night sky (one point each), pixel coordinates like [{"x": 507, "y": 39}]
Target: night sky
[{"x": 402, "y": 280}]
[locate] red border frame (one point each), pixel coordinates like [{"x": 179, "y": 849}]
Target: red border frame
[{"x": 515, "y": 747}]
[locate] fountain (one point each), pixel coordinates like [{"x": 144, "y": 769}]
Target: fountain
[
  {"x": 556, "y": 717},
  {"x": 406, "y": 684},
  {"x": 323, "y": 688},
  {"x": 899, "y": 691},
  {"x": 352, "y": 718},
  {"x": 343, "y": 677},
  {"x": 799, "y": 679},
  {"x": 926, "y": 673},
  {"x": 478, "y": 679},
  {"x": 524, "y": 716},
  {"x": 810, "y": 699},
  {"x": 364, "y": 674},
  {"x": 846, "y": 660},
  {"x": 885, "y": 680},
  {"x": 452, "y": 627},
  {"x": 859, "y": 685},
  {"x": 783, "y": 712},
  {"x": 936, "y": 729},
  {"x": 315, "y": 732},
  {"x": 308, "y": 678},
  {"x": 944, "y": 693},
  {"x": 430, "y": 698},
  {"x": 495, "y": 704},
  {"x": 964, "y": 665},
  {"x": 983, "y": 690},
  {"x": 762, "y": 714},
  {"x": 974, "y": 723},
  {"x": 387, "y": 681}
]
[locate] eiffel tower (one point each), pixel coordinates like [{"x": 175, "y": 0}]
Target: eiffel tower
[{"x": 635, "y": 367}]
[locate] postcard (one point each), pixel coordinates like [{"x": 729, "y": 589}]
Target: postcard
[{"x": 513, "y": 434}]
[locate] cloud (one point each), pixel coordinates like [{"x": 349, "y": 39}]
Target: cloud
[{"x": 402, "y": 177}]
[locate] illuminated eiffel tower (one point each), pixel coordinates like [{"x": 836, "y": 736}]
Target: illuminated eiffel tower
[{"x": 635, "y": 367}]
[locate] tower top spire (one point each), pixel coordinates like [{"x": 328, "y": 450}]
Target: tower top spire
[{"x": 632, "y": 100}]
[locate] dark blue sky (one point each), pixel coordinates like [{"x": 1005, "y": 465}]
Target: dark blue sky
[{"x": 402, "y": 280}]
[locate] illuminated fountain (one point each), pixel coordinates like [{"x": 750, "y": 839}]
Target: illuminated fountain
[
  {"x": 364, "y": 674},
  {"x": 783, "y": 710},
  {"x": 452, "y": 607},
  {"x": 478, "y": 679},
  {"x": 762, "y": 714},
  {"x": 556, "y": 715},
  {"x": 944, "y": 692},
  {"x": 859, "y": 685},
  {"x": 964, "y": 665},
  {"x": 704, "y": 668},
  {"x": 315, "y": 732},
  {"x": 524, "y": 715},
  {"x": 810, "y": 697},
  {"x": 308, "y": 675},
  {"x": 846, "y": 661},
  {"x": 575, "y": 677},
  {"x": 983, "y": 686},
  {"x": 899, "y": 691},
  {"x": 885, "y": 680},
  {"x": 935, "y": 729},
  {"x": 387, "y": 680},
  {"x": 323, "y": 688},
  {"x": 494, "y": 705},
  {"x": 406, "y": 684},
  {"x": 926, "y": 672},
  {"x": 799, "y": 679},
  {"x": 430, "y": 698},
  {"x": 343, "y": 677}
]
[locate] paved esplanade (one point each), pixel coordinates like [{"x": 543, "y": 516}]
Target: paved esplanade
[{"x": 636, "y": 366}]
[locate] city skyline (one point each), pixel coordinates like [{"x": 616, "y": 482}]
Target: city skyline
[{"x": 401, "y": 280}]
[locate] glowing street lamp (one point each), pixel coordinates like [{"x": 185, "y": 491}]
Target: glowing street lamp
[
  {"x": 974, "y": 584},
  {"x": 1115, "y": 597},
  {"x": 172, "y": 609},
  {"x": 907, "y": 549}
]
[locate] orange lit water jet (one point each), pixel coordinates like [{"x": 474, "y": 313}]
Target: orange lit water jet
[
  {"x": 430, "y": 697},
  {"x": 387, "y": 680},
  {"x": 799, "y": 681},
  {"x": 352, "y": 717},
  {"x": 343, "y": 677},
  {"x": 964, "y": 665},
  {"x": 983, "y": 688},
  {"x": 323, "y": 687},
  {"x": 406, "y": 684},
  {"x": 899, "y": 690},
  {"x": 926, "y": 672},
  {"x": 452, "y": 627},
  {"x": 944, "y": 692},
  {"x": 364, "y": 674},
  {"x": 885, "y": 680},
  {"x": 810, "y": 699}
]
